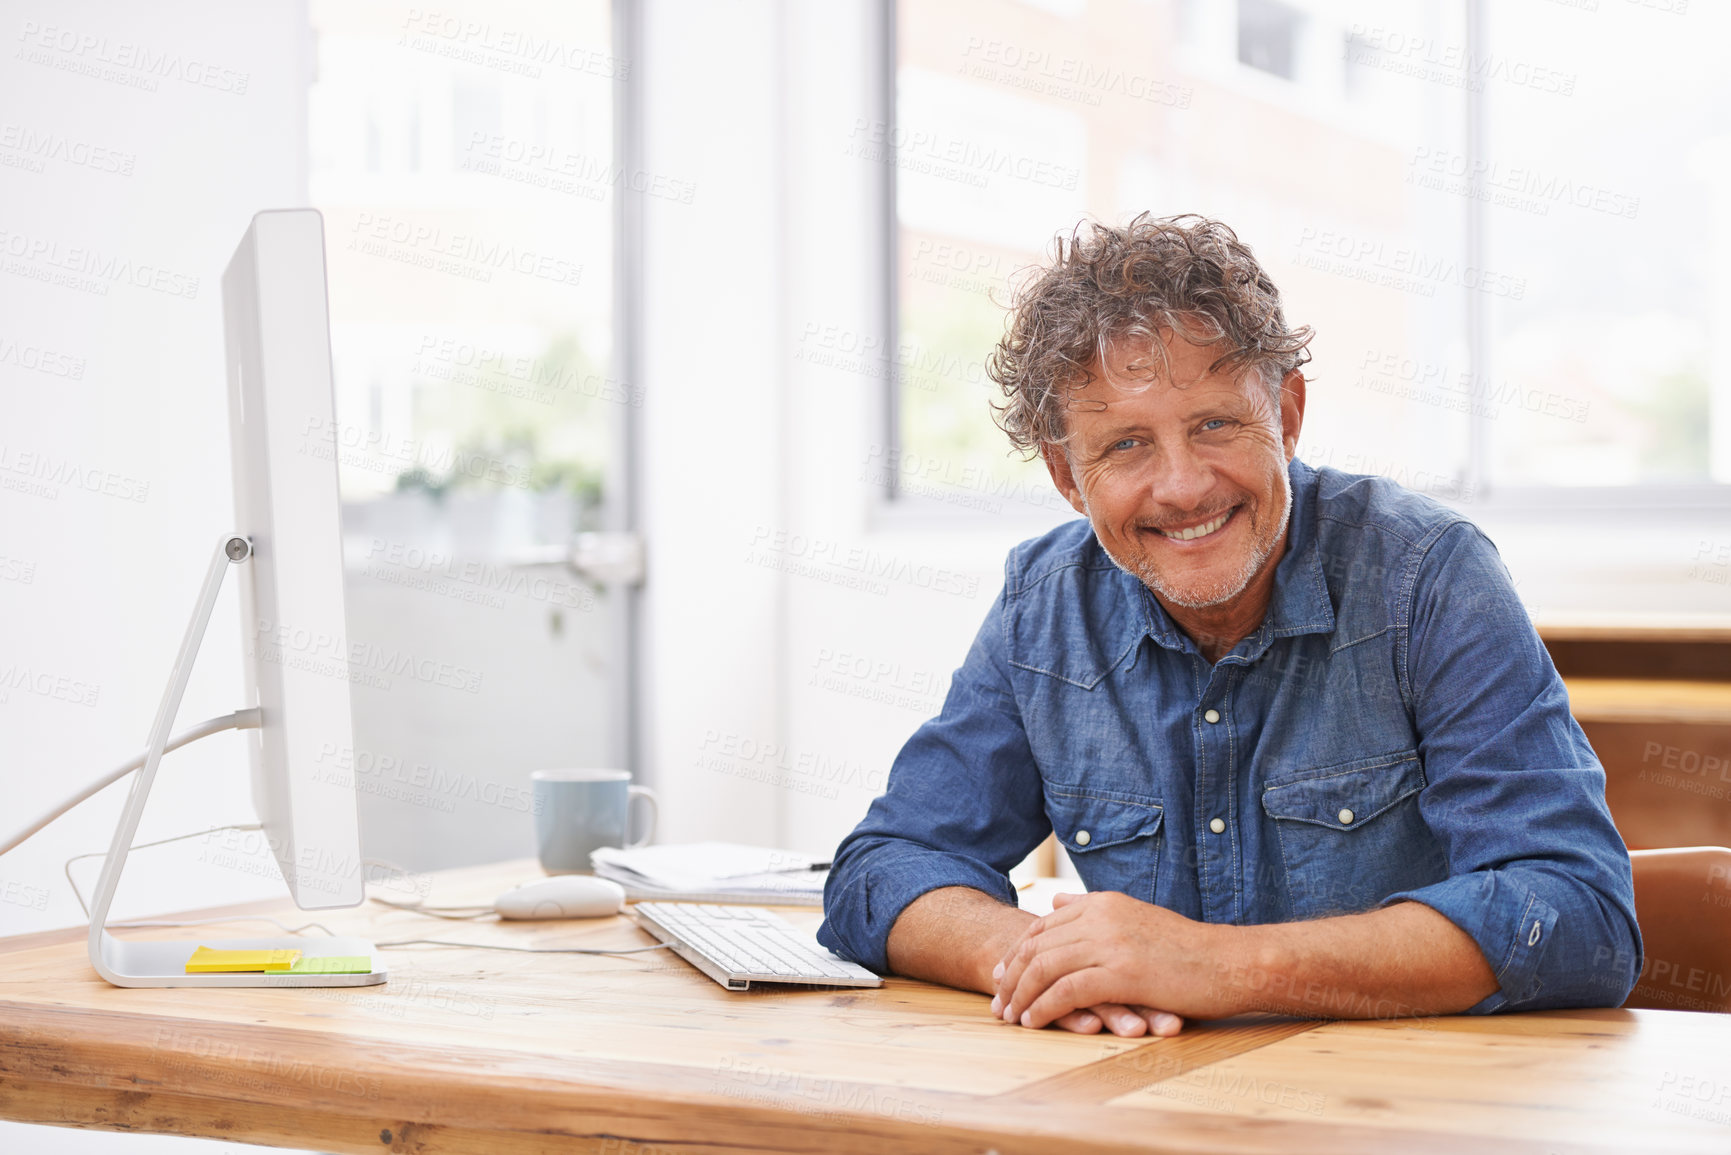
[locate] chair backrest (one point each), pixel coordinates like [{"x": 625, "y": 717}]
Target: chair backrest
[{"x": 1683, "y": 903}]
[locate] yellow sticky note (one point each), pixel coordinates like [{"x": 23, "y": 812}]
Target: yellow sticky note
[{"x": 204, "y": 960}]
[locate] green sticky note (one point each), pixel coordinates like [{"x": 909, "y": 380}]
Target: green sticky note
[{"x": 336, "y": 964}]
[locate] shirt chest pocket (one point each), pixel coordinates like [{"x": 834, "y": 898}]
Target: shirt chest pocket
[
  {"x": 1114, "y": 843},
  {"x": 1351, "y": 835}
]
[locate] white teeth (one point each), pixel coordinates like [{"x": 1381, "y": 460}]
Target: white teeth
[{"x": 1199, "y": 530}]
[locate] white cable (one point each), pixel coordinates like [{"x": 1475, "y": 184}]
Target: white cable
[
  {"x": 79, "y": 895},
  {"x": 482, "y": 912},
  {"x": 437, "y": 911},
  {"x": 248, "y": 719},
  {"x": 527, "y": 949},
  {"x": 239, "y": 720},
  {"x": 395, "y": 869},
  {"x": 193, "y": 922},
  {"x": 388, "y": 865},
  {"x": 295, "y": 930},
  {"x": 284, "y": 927}
]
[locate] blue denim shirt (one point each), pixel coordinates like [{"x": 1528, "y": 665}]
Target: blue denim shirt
[{"x": 1394, "y": 730}]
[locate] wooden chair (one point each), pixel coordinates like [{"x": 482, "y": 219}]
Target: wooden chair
[{"x": 1683, "y": 903}]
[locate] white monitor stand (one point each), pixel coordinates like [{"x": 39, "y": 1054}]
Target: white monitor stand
[{"x": 162, "y": 963}]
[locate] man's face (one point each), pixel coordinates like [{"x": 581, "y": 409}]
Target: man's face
[{"x": 1182, "y": 473}]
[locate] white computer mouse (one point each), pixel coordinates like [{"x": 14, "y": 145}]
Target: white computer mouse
[{"x": 562, "y": 896}]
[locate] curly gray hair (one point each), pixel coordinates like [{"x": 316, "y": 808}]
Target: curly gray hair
[{"x": 1185, "y": 274}]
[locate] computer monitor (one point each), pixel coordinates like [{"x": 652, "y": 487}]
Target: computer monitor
[
  {"x": 282, "y": 423},
  {"x": 287, "y": 543}
]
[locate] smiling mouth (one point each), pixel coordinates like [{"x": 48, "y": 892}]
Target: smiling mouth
[{"x": 1198, "y": 531}]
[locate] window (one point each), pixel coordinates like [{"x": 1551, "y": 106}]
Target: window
[
  {"x": 1502, "y": 220},
  {"x": 1606, "y": 193},
  {"x": 1015, "y": 123},
  {"x": 464, "y": 163},
  {"x": 465, "y": 171}
]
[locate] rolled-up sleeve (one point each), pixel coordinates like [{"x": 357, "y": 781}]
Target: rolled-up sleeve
[
  {"x": 1539, "y": 876},
  {"x": 963, "y": 805}
]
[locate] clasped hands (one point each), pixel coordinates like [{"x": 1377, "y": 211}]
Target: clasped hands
[{"x": 1107, "y": 960}]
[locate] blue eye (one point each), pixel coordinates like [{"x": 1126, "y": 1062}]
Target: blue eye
[
  {"x": 1214, "y": 423},
  {"x": 1125, "y": 444}
]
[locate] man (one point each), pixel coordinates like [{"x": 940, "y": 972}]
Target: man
[{"x": 1292, "y": 726}]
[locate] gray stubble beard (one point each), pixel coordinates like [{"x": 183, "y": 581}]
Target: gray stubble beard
[{"x": 1252, "y": 566}]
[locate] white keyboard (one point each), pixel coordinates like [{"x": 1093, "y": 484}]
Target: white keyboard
[{"x": 740, "y": 945}]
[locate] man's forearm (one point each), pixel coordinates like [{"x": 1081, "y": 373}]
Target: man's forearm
[
  {"x": 1400, "y": 961},
  {"x": 954, "y": 935}
]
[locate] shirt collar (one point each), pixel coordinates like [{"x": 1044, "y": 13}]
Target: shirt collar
[{"x": 1300, "y": 603}]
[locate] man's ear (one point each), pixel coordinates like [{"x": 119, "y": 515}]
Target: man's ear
[
  {"x": 1058, "y": 465},
  {"x": 1292, "y": 388}
]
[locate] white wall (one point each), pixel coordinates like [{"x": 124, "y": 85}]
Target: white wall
[
  {"x": 111, "y": 581},
  {"x": 780, "y": 675},
  {"x": 713, "y": 382}
]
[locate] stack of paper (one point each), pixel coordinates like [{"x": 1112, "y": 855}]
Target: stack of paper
[{"x": 714, "y": 872}]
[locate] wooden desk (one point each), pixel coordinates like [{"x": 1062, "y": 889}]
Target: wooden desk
[{"x": 508, "y": 1054}]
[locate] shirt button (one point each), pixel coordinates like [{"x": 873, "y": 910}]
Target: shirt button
[
  {"x": 1211, "y": 716},
  {"x": 1218, "y": 825},
  {"x": 1083, "y": 838},
  {"x": 1345, "y": 818}
]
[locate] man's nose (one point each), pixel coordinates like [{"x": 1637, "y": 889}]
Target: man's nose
[{"x": 1180, "y": 479}]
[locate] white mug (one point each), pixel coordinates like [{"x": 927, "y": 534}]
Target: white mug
[{"x": 580, "y": 811}]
